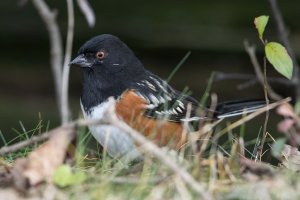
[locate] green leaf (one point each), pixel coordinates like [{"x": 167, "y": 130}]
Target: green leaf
[
  {"x": 63, "y": 176},
  {"x": 279, "y": 58},
  {"x": 260, "y": 24},
  {"x": 277, "y": 147}
]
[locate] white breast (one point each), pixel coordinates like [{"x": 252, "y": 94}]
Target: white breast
[{"x": 116, "y": 142}]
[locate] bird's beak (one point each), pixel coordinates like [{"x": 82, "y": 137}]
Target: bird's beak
[{"x": 81, "y": 61}]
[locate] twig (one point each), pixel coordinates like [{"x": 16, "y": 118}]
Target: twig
[
  {"x": 33, "y": 140},
  {"x": 222, "y": 76},
  {"x": 65, "y": 112},
  {"x": 283, "y": 35},
  {"x": 87, "y": 11},
  {"x": 251, "y": 52},
  {"x": 56, "y": 52},
  {"x": 136, "y": 181},
  {"x": 264, "y": 134},
  {"x": 44, "y": 136},
  {"x": 247, "y": 84}
]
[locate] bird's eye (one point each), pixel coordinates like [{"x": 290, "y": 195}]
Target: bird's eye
[{"x": 100, "y": 55}]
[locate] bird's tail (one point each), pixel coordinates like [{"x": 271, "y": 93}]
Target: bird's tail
[{"x": 235, "y": 108}]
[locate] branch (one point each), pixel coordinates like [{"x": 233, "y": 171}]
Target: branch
[
  {"x": 283, "y": 35},
  {"x": 56, "y": 52},
  {"x": 45, "y": 136},
  {"x": 87, "y": 11},
  {"x": 251, "y": 52},
  {"x": 65, "y": 111},
  {"x": 221, "y": 76},
  {"x": 33, "y": 140}
]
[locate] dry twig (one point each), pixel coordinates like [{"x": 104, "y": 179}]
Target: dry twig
[
  {"x": 260, "y": 75},
  {"x": 221, "y": 76},
  {"x": 65, "y": 115},
  {"x": 283, "y": 35},
  {"x": 56, "y": 52}
]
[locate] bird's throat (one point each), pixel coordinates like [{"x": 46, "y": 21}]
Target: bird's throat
[{"x": 97, "y": 88}]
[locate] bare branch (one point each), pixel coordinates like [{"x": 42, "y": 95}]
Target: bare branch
[
  {"x": 65, "y": 111},
  {"x": 56, "y": 52},
  {"x": 251, "y": 52},
  {"x": 88, "y": 12},
  {"x": 264, "y": 134},
  {"x": 283, "y": 35},
  {"x": 33, "y": 140},
  {"x": 222, "y": 76}
]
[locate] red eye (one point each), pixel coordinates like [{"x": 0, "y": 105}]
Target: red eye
[{"x": 100, "y": 54}]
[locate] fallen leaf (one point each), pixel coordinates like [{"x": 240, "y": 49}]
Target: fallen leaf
[
  {"x": 285, "y": 125},
  {"x": 291, "y": 158},
  {"x": 5, "y": 174},
  {"x": 43, "y": 161},
  {"x": 250, "y": 168},
  {"x": 286, "y": 110}
]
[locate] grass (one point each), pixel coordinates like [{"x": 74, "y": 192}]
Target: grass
[{"x": 218, "y": 169}]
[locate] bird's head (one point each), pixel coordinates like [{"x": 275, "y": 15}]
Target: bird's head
[{"x": 107, "y": 55}]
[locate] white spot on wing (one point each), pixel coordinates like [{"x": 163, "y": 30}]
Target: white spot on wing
[
  {"x": 154, "y": 100},
  {"x": 192, "y": 119},
  {"x": 174, "y": 111},
  {"x": 179, "y": 109},
  {"x": 161, "y": 87},
  {"x": 150, "y": 85}
]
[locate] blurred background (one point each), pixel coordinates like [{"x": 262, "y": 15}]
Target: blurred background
[{"x": 159, "y": 32}]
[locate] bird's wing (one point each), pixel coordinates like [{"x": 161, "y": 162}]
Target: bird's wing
[{"x": 164, "y": 102}]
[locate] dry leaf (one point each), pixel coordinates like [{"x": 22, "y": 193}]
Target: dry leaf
[
  {"x": 5, "y": 174},
  {"x": 291, "y": 158},
  {"x": 255, "y": 170},
  {"x": 286, "y": 110},
  {"x": 42, "y": 162},
  {"x": 285, "y": 125}
]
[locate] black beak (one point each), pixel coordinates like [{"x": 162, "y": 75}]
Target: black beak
[{"x": 81, "y": 61}]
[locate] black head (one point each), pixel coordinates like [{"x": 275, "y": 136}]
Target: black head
[
  {"x": 107, "y": 53},
  {"x": 109, "y": 67}
]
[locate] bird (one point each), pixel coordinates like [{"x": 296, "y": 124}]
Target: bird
[{"x": 144, "y": 101}]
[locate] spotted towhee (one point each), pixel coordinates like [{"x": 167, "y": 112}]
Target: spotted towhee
[{"x": 143, "y": 100}]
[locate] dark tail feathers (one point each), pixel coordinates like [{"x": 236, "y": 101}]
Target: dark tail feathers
[{"x": 235, "y": 108}]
